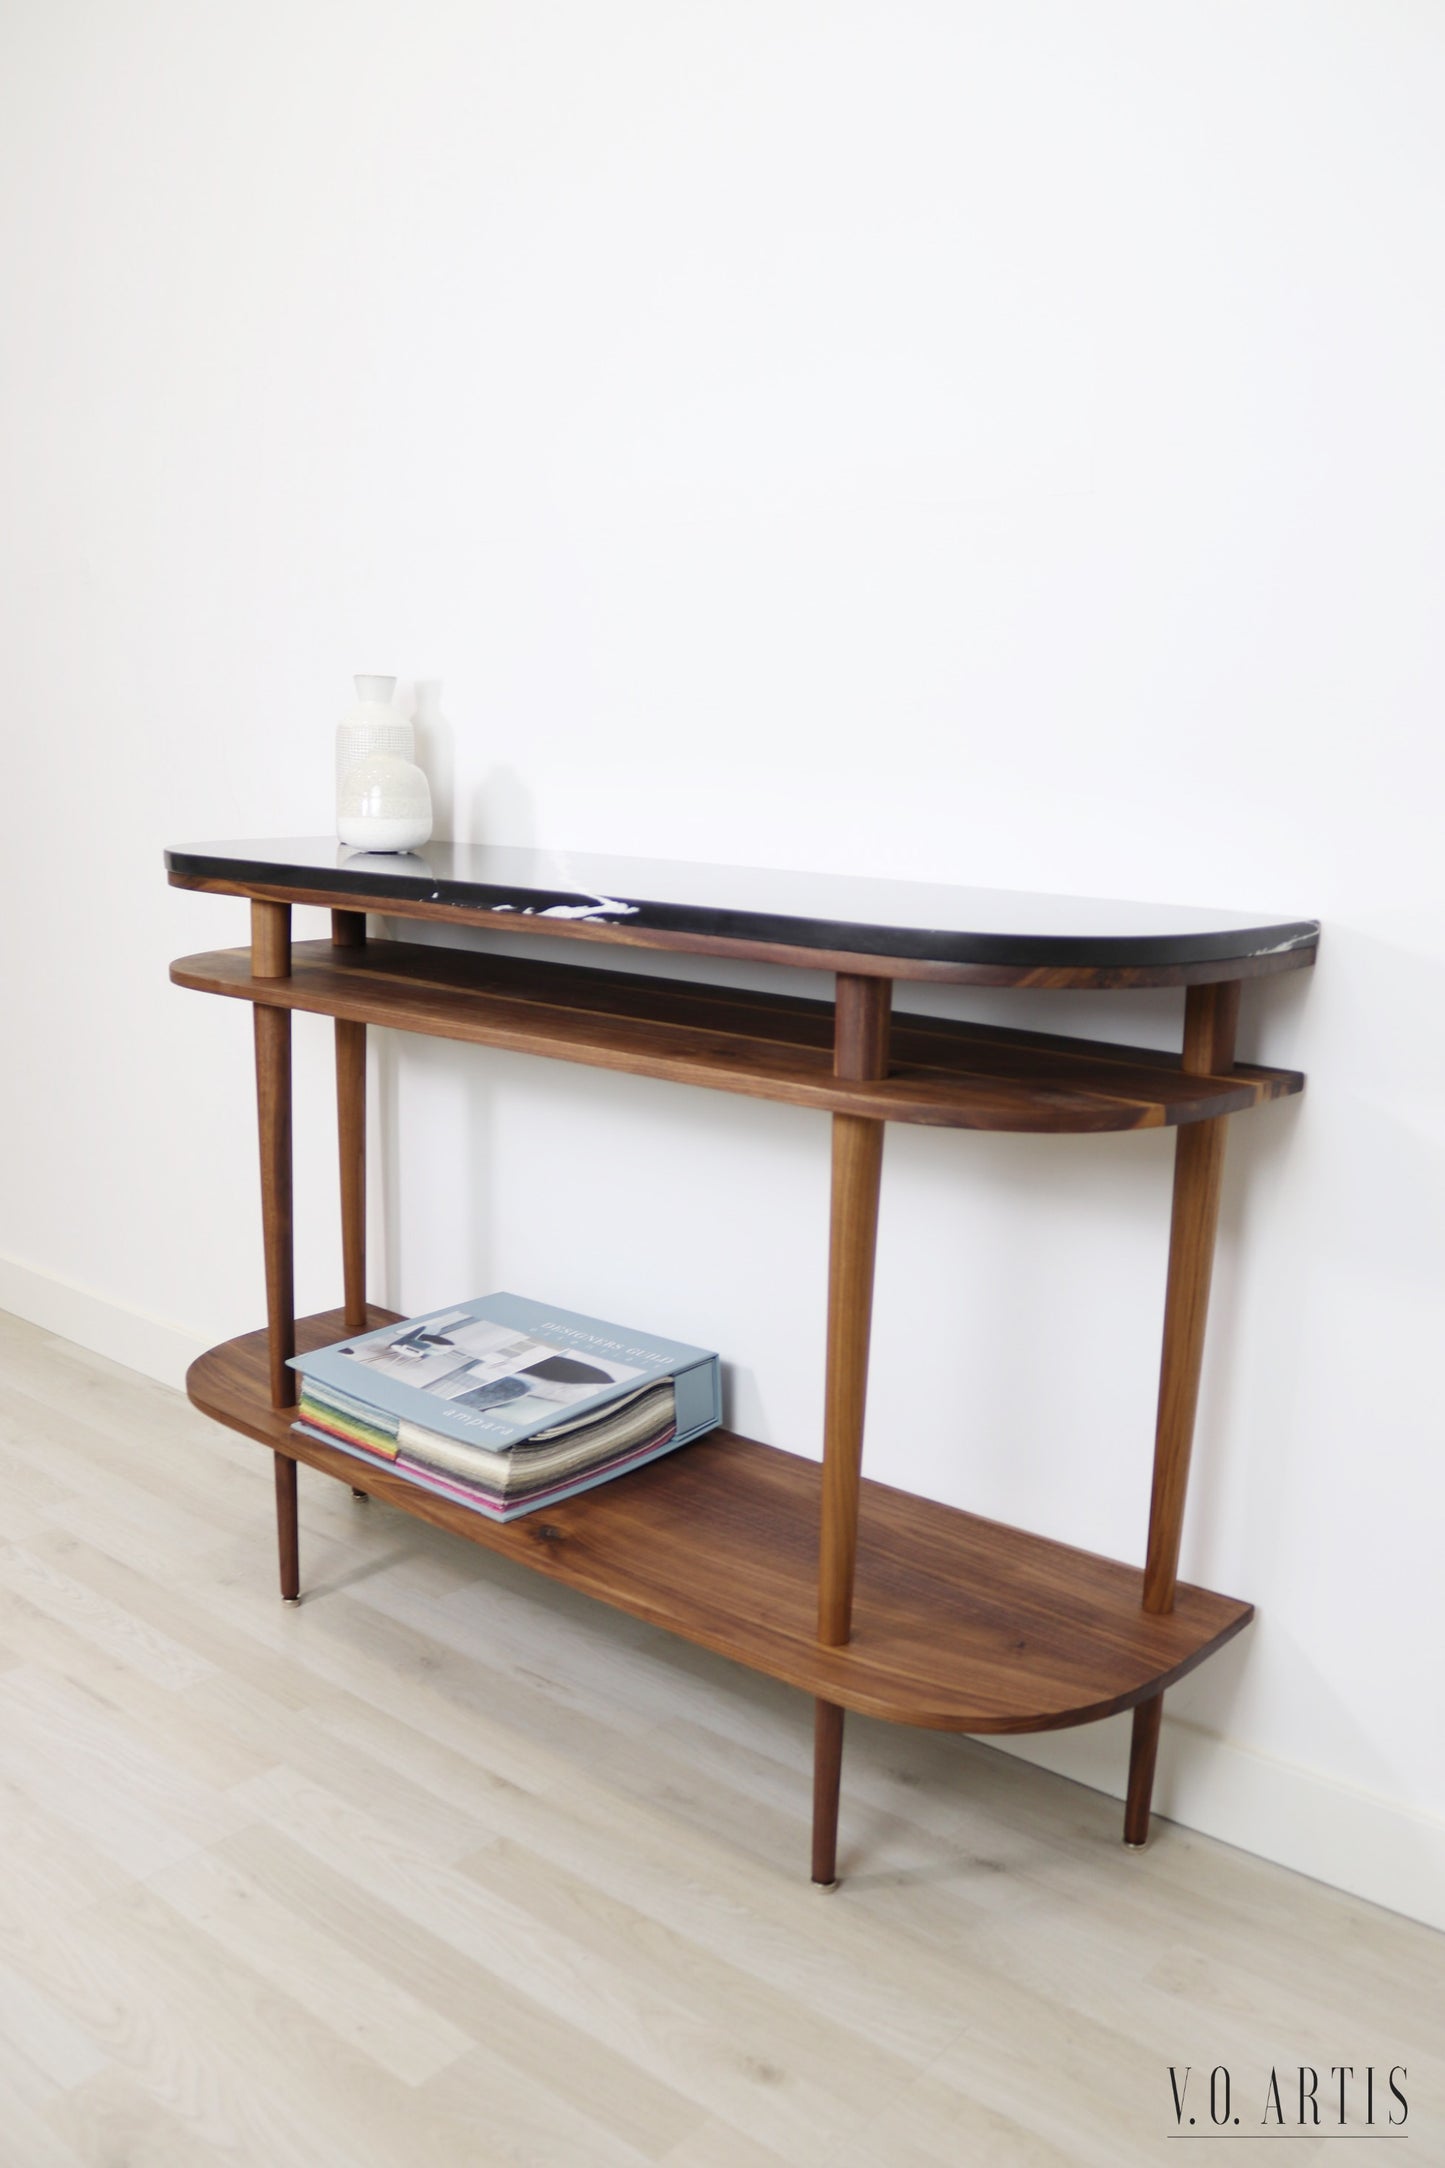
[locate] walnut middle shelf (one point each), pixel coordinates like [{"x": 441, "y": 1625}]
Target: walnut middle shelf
[{"x": 770, "y": 1046}]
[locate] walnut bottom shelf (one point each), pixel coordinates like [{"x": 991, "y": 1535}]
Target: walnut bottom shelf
[{"x": 960, "y": 1624}]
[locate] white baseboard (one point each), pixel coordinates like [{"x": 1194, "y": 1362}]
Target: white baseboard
[
  {"x": 1388, "y": 1854},
  {"x": 148, "y": 1344}
]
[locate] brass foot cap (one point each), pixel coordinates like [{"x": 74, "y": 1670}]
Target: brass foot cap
[
  {"x": 826, "y": 1889},
  {"x": 1136, "y": 1844},
  {"x": 292, "y": 1600},
  {"x": 363, "y": 1495}
]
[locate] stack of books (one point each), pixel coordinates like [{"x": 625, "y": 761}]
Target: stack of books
[{"x": 505, "y": 1404}]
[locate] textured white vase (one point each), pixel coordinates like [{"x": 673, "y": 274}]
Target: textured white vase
[
  {"x": 373, "y": 726},
  {"x": 384, "y": 805}
]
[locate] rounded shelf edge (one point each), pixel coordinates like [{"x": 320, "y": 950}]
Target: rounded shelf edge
[{"x": 961, "y": 1624}]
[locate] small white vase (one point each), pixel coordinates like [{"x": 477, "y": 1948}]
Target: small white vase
[
  {"x": 373, "y": 726},
  {"x": 385, "y": 805}
]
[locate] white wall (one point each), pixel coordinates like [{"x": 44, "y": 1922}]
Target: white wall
[{"x": 996, "y": 444}]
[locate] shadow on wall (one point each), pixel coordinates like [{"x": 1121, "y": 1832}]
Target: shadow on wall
[
  {"x": 503, "y": 810},
  {"x": 436, "y": 750}
]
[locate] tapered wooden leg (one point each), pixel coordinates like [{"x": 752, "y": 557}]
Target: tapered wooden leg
[
  {"x": 860, "y": 1051},
  {"x": 271, "y": 958},
  {"x": 273, "y": 1100},
  {"x": 351, "y": 1138},
  {"x": 348, "y": 931},
  {"x": 288, "y": 1539},
  {"x": 857, "y": 1169},
  {"x": 827, "y": 1775},
  {"x": 1143, "y": 1753},
  {"x": 1198, "y": 1176},
  {"x": 1210, "y": 1017}
]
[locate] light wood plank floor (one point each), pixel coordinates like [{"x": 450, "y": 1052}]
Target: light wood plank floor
[{"x": 449, "y": 1866}]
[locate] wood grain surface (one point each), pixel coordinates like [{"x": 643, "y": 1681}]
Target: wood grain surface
[
  {"x": 288, "y": 1546},
  {"x": 862, "y": 1034},
  {"x": 1210, "y": 1018},
  {"x": 861, "y": 1052},
  {"x": 944, "y": 1074},
  {"x": 270, "y": 940},
  {"x": 273, "y": 1124},
  {"x": 959, "y": 1624}
]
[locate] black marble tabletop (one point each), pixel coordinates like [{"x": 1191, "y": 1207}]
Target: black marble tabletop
[{"x": 840, "y": 913}]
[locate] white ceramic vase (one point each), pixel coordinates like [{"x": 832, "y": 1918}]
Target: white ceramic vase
[
  {"x": 373, "y": 726},
  {"x": 384, "y": 805}
]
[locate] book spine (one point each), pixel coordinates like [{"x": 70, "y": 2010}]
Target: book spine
[
  {"x": 506, "y": 1509},
  {"x": 373, "y": 1442}
]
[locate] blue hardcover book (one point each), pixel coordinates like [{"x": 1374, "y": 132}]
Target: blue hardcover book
[{"x": 495, "y": 1371}]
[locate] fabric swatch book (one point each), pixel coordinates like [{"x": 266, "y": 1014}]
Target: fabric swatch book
[{"x": 507, "y": 1404}]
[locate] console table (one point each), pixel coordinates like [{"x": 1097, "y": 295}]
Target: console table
[{"x": 860, "y": 1595}]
